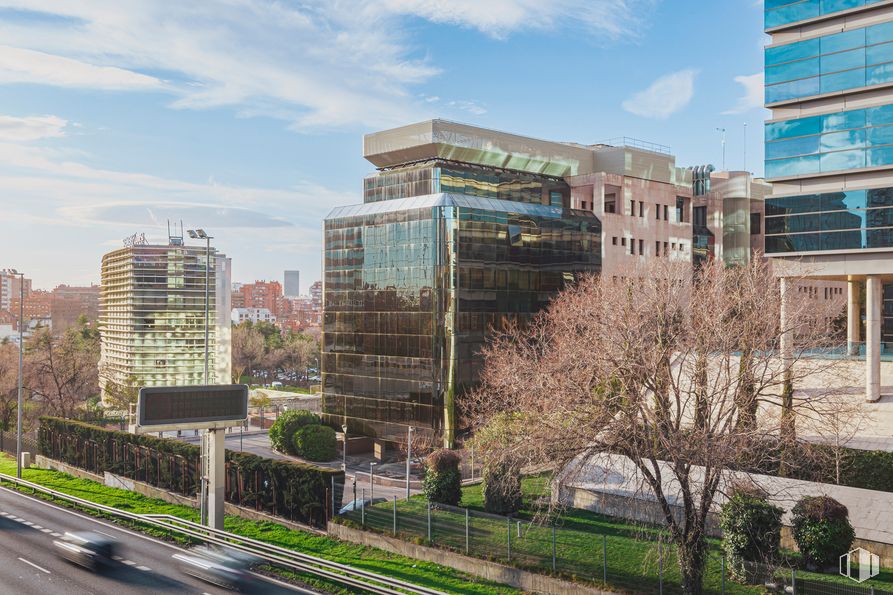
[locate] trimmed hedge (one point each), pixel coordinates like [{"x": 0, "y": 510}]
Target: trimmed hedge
[
  {"x": 316, "y": 443},
  {"x": 751, "y": 528},
  {"x": 296, "y": 491},
  {"x": 443, "y": 482},
  {"x": 282, "y": 432},
  {"x": 822, "y": 530}
]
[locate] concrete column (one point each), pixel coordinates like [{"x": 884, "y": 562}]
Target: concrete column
[
  {"x": 216, "y": 485},
  {"x": 853, "y": 318},
  {"x": 873, "y": 301}
]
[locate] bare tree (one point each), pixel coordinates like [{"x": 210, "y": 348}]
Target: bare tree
[
  {"x": 62, "y": 372},
  {"x": 682, "y": 379},
  {"x": 247, "y": 350},
  {"x": 9, "y": 362}
]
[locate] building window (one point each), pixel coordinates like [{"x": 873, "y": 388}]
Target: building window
[
  {"x": 610, "y": 203},
  {"x": 755, "y": 221},
  {"x": 556, "y": 199},
  {"x": 632, "y": 208},
  {"x": 632, "y": 246},
  {"x": 623, "y": 241},
  {"x": 641, "y": 209},
  {"x": 614, "y": 240},
  {"x": 657, "y": 248},
  {"x": 680, "y": 209},
  {"x": 666, "y": 213},
  {"x": 666, "y": 248},
  {"x": 681, "y": 247},
  {"x": 657, "y": 212},
  {"x": 642, "y": 247},
  {"x": 673, "y": 246},
  {"x": 699, "y": 216}
]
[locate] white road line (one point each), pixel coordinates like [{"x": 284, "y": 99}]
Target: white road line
[
  {"x": 46, "y": 530},
  {"x": 129, "y": 562},
  {"x": 29, "y": 523},
  {"x": 117, "y": 558},
  {"x": 143, "y": 568},
  {"x": 106, "y": 534},
  {"x": 34, "y": 565},
  {"x": 37, "y": 527},
  {"x": 4, "y": 513},
  {"x": 54, "y": 534}
]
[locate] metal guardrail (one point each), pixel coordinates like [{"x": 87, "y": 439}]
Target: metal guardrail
[{"x": 340, "y": 573}]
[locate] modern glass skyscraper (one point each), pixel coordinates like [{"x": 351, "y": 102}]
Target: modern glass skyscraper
[
  {"x": 152, "y": 317},
  {"x": 462, "y": 231},
  {"x": 829, "y": 151}
]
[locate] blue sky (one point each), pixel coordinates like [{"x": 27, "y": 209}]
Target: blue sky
[{"x": 245, "y": 117}]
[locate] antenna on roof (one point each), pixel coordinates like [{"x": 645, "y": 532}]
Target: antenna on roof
[{"x": 174, "y": 240}]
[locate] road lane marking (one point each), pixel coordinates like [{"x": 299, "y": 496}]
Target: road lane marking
[
  {"x": 37, "y": 527},
  {"x": 129, "y": 562},
  {"x": 117, "y": 558},
  {"x": 34, "y": 565},
  {"x": 29, "y": 523},
  {"x": 106, "y": 534},
  {"x": 143, "y": 568},
  {"x": 46, "y": 530},
  {"x": 54, "y": 534}
]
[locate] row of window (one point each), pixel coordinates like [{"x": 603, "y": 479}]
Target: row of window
[
  {"x": 611, "y": 207},
  {"x": 855, "y": 58},
  {"x": 858, "y": 239},
  {"x": 667, "y": 246},
  {"x": 829, "y": 162},
  {"x": 783, "y": 12}
]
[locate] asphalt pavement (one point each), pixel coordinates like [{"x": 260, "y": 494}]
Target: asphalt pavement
[{"x": 29, "y": 564}]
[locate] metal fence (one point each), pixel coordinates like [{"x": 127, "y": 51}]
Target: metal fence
[
  {"x": 8, "y": 442},
  {"x": 574, "y": 550}
]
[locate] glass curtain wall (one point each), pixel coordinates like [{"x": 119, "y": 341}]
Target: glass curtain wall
[{"x": 411, "y": 294}]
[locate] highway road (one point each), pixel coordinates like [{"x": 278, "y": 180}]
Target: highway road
[{"x": 30, "y": 565}]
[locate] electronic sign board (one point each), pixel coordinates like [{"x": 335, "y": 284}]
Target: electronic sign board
[{"x": 191, "y": 407}]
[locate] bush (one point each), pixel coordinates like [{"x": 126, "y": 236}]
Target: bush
[
  {"x": 443, "y": 482},
  {"x": 316, "y": 443},
  {"x": 502, "y": 488},
  {"x": 282, "y": 432},
  {"x": 295, "y": 491},
  {"x": 751, "y": 529},
  {"x": 822, "y": 530}
]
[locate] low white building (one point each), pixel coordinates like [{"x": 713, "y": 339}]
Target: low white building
[{"x": 255, "y": 315}]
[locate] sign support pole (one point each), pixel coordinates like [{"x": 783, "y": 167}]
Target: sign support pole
[
  {"x": 216, "y": 471},
  {"x": 203, "y": 480}
]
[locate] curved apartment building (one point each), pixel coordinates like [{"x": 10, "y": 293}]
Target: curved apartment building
[{"x": 152, "y": 317}]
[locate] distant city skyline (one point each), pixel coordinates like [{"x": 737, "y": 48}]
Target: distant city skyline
[{"x": 107, "y": 128}]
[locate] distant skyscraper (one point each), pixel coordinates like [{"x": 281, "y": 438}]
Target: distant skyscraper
[
  {"x": 292, "y": 284},
  {"x": 152, "y": 317}
]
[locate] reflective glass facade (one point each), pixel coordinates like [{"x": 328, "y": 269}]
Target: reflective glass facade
[
  {"x": 838, "y": 62},
  {"x": 411, "y": 289},
  {"x": 784, "y": 12},
  {"x": 832, "y": 142},
  {"x": 434, "y": 177},
  {"x": 849, "y": 220},
  {"x": 152, "y": 317}
]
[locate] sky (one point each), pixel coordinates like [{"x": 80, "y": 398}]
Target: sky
[{"x": 245, "y": 117}]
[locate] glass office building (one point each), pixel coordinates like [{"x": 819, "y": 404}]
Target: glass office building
[
  {"x": 415, "y": 278},
  {"x": 829, "y": 154},
  {"x": 152, "y": 317}
]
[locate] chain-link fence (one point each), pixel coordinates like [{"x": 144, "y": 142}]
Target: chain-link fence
[
  {"x": 616, "y": 555},
  {"x": 8, "y": 442}
]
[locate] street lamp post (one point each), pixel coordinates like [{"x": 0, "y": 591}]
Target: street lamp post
[
  {"x": 344, "y": 451},
  {"x": 372, "y": 465},
  {"x": 19, "y": 405},
  {"x": 408, "y": 457},
  {"x": 199, "y": 234}
]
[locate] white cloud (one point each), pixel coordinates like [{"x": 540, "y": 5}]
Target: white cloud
[
  {"x": 753, "y": 93},
  {"x": 666, "y": 96},
  {"x": 31, "y": 128},
  {"x": 315, "y": 63},
  {"x": 472, "y": 107},
  {"x": 19, "y": 65},
  {"x": 612, "y": 19}
]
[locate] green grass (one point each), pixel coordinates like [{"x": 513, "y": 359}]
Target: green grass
[
  {"x": 288, "y": 389},
  {"x": 632, "y": 549},
  {"x": 371, "y": 559}
]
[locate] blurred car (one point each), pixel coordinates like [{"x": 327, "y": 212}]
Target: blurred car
[
  {"x": 90, "y": 550},
  {"x": 225, "y": 567},
  {"x": 360, "y": 503}
]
